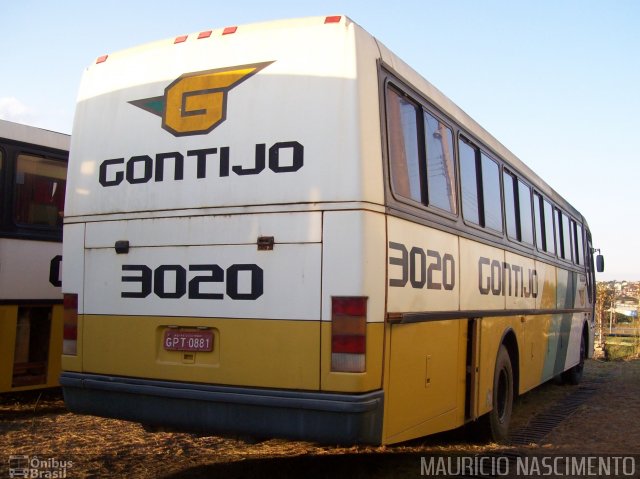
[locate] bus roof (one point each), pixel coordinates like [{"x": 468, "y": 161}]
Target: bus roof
[{"x": 33, "y": 135}]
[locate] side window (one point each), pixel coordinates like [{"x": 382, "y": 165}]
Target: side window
[
  {"x": 558, "y": 225},
  {"x": 517, "y": 206},
  {"x": 563, "y": 237},
  {"x": 469, "y": 182},
  {"x": 558, "y": 221},
  {"x": 539, "y": 221},
  {"x": 492, "y": 201},
  {"x": 578, "y": 242},
  {"x": 567, "y": 253},
  {"x": 2, "y": 200},
  {"x": 510, "y": 205},
  {"x": 480, "y": 181},
  {"x": 526, "y": 221},
  {"x": 549, "y": 244},
  {"x": 39, "y": 191},
  {"x": 591, "y": 279},
  {"x": 406, "y": 174},
  {"x": 543, "y": 212},
  {"x": 440, "y": 170}
]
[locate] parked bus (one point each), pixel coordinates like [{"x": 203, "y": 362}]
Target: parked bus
[
  {"x": 33, "y": 166},
  {"x": 282, "y": 230}
]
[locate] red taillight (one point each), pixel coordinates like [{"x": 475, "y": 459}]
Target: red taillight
[
  {"x": 333, "y": 19},
  {"x": 102, "y": 59},
  {"x": 349, "y": 306},
  {"x": 348, "y": 334},
  {"x": 229, "y": 30},
  {"x": 181, "y": 39},
  {"x": 206, "y": 34},
  {"x": 70, "y": 320},
  {"x": 348, "y": 344},
  {"x": 70, "y": 301}
]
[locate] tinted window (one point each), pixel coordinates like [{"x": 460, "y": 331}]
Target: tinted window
[
  {"x": 40, "y": 185},
  {"x": 510, "y": 205},
  {"x": 1, "y": 185},
  {"x": 578, "y": 242},
  {"x": 566, "y": 238},
  {"x": 518, "y": 209},
  {"x": 537, "y": 201},
  {"x": 491, "y": 194},
  {"x": 549, "y": 245},
  {"x": 558, "y": 219},
  {"x": 526, "y": 221},
  {"x": 469, "y": 182},
  {"x": 440, "y": 171},
  {"x": 406, "y": 175}
]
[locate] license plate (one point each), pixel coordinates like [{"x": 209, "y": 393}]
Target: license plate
[{"x": 179, "y": 340}]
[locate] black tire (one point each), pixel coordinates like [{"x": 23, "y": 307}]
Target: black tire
[
  {"x": 573, "y": 376},
  {"x": 494, "y": 426}
]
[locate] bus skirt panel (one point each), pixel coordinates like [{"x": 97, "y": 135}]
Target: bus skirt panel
[{"x": 226, "y": 410}]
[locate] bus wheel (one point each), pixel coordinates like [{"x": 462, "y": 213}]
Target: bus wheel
[
  {"x": 574, "y": 375},
  {"x": 495, "y": 425}
]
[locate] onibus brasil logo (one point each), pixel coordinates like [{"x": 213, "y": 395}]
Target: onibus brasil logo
[{"x": 195, "y": 103}]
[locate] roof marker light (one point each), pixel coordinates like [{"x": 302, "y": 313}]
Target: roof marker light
[
  {"x": 102, "y": 59},
  {"x": 334, "y": 19},
  {"x": 206, "y": 34},
  {"x": 181, "y": 39},
  {"x": 229, "y": 30}
]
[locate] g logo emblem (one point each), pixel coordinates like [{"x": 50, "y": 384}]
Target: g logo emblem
[{"x": 195, "y": 103}]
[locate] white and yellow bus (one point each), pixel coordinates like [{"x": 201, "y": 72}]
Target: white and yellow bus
[
  {"x": 33, "y": 166},
  {"x": 283, "y": 230}
]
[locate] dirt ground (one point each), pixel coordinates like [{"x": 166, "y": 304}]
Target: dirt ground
[{"x": 605, "y": 423}]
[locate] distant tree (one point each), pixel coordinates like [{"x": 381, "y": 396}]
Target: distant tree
[{"x": 605, "y": 297}]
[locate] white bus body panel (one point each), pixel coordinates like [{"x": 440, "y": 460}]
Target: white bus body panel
[
  {"x": 25, "y": 268},
  {"x": 291, "y": 271}
]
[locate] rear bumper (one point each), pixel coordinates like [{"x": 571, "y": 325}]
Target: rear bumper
[{"x": 311, "y": 416}]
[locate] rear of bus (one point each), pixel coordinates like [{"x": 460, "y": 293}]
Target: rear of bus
[{"x": 224, "y": 237}]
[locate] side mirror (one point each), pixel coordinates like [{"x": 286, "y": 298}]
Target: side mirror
[{"x": 599, "y": 263}]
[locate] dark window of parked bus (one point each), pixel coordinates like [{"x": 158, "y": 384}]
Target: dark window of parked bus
[
  {"x": 406, "y": 168},
  {"x": 39, "y": 193},
  {"x": 469, "y": 182},
  {"x": 492, "y": 201},
  {"x": 526, "y": 221},
  {"x": 440, "y": 169},
  {"x": 578, "y": 243}
]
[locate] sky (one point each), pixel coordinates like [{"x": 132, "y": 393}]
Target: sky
[{"x": 555, "y": 81}]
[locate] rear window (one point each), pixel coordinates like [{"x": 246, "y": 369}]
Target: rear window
[{"x": 39, "y": 191}]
